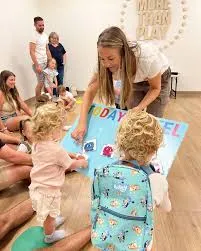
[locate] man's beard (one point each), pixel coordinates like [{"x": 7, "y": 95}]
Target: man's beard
[{"x": 40, "y": 30}]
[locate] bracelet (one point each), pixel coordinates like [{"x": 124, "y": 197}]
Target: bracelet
[{"x": 4, "y": 129}]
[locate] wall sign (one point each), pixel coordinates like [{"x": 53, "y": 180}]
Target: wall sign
[{"x": 161, "y": 21}]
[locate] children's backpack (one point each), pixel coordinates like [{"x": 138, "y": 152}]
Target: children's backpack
[{"x": 122, "y": 208}]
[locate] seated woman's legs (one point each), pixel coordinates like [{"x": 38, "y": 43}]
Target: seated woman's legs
[
  {"x": 13, "y": 123},
  {"x": 9, "y": 139},
  {"x": 15, "y": 217},
  {"x": 13, "y": 174}
]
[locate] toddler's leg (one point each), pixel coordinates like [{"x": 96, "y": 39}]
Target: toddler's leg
[
  {"x": 49, "y": 90},
  {"x": 49, "y": 225},
  {"x": 49, "y": 228}
]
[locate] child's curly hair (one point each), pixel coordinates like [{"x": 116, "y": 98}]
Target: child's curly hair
[
  {"x": 46, "y": 119},
  {"x": 139, "y": 135}
]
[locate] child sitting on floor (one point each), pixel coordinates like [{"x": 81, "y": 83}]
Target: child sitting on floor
[
  {"x": 66, "y": 97},
  {"x": 50, "y": 161}
]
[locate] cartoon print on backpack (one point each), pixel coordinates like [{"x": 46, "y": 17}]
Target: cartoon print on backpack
[
  {"x": 134, "y": 212},
  {"x": 106, "y": 171},
  {"x": 150, "y": 208},
  {"x": 134, "y": 188},
  {"x": 94, "y": 235},
  {"x": 105, "y": 235},
  {"x": 122, "y": 236},
  {"x": 134, "y": 172},
  {"x": 137, "y": 230},
  {"x": 143, "y": 202},
  {"x": 133, "y": 246},
  {"x": 113, "y": 222},
  {"x": 110, "y": 247},
  {"x": 114, "y": 203},
  {"x": 106, "y": 192},
  {"x": 127, "y": 202},
  {"x": 100, "y": 221},
  {"x": 119, "y": 176}
]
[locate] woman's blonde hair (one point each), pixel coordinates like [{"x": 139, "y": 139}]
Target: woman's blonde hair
[
  {"x": 139, "y": 135},
  {"x": 53, "y": 34},
  {"x": 46, "y": 119},
  {"x": 114, "y": 37}
]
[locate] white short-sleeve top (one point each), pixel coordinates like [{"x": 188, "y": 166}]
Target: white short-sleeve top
[{"x": 150, "y": 62}]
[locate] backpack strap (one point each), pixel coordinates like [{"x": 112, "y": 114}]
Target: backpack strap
[{"x": 148, "y": 169}]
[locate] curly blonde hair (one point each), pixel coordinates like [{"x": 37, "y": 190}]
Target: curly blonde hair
[
  {"x": 139, "y": 136},
  {"x": 46, "y": 119}
]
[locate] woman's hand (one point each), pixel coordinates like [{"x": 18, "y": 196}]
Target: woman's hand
[
  {"x": 38, "y": 68},
  {"x": 79, "y": 132},
  {"x": 136, "y": 109},
  {"x": 7, "y": 132}
]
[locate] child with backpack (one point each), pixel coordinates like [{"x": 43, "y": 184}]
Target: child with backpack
[{"x": 125, "y": 193}]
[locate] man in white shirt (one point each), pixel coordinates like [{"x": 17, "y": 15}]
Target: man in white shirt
[{"x": 39, "y": 52}]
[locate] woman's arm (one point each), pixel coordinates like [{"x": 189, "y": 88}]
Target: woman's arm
[
  {"x": 88, "y": 98},
  {"x": 25, "y": 107},
  {"x": 80, "y": 130},
  {"x": 9, "y": 139},
  {"x": 10, "y": 155},
  {"x": 152, "y": 94}
]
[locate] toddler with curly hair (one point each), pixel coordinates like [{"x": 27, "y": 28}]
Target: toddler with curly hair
[
  {"x": 50, "y": 161},
  {"x": 138, "y": 139}
]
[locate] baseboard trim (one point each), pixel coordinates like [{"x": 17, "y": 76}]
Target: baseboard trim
[
  {"x": 180, "y": 93},
  {"x": 189, "y": 93}
]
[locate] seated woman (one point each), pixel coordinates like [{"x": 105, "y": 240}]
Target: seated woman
[
  {"x": 11, "y": 104},
  {"x": 14, "y": 166}
]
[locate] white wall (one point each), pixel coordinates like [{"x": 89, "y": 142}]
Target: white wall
[
  {"x": 16, "y": 22},
  {"x": 80, "y": 22}
]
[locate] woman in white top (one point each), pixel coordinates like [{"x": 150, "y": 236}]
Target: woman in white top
[{"x": 141, "y": 68}]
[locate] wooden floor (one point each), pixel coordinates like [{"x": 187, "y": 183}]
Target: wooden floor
[{"x": 179, "y": 230}]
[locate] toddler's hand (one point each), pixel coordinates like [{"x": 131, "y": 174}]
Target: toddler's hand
[{"x": 84, "y": 163}]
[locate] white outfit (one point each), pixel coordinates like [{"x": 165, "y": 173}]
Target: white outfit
[
  {"x": 159, "y": 188},
  {"x": 68, "y": 95},
  {"x": 150, "y": 62},
  {"x": 51, "y": 74},
  {"x": 41, "y": 41}
]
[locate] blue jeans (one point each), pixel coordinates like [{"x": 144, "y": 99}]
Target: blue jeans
[{"x": 60, "y": 77}]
